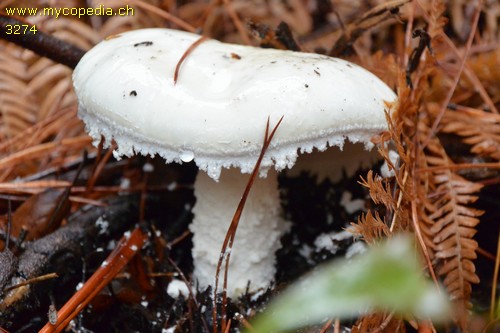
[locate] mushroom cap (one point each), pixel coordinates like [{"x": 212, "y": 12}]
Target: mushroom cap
[{"x": 217, "y": 111}]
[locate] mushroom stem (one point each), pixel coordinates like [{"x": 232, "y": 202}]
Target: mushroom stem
[{"x": 257, "y": 238}]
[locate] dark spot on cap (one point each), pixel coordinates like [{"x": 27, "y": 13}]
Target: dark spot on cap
[
  {"x": 235, "y": 56},
  {"x": 348, "y": 65},
  {"x": 133, "y": 93},
  {"x": 145, "y": 43},
  {"x": 315, "y": 71},
  {"x": 306, "y": 85}
]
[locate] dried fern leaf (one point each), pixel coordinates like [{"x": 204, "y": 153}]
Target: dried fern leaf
[
  {"x": 17, "y": 107},
  {"x": 380, "y": 190},
  {"x": 452, "y": 225},
  {"x": 370, "y": 227},
  {"x": 31, "y": 88},
  {"x": 480, "y": 130}
]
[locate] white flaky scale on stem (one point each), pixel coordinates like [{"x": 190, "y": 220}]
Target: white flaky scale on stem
[{"x": 216, "y": 114}]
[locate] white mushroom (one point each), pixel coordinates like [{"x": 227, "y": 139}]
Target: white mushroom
[{"x": 216, "y": 115}]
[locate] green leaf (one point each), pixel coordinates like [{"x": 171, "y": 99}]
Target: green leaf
[{"x": 387, "y": 278}]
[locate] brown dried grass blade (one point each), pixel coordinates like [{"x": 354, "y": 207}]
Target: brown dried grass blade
[
  {"x": 231, "y": 233},
  {"x": 166, "y": 15},
  {"x": 463, "y": 61},
  {"x": 228, "y": 5},
  {"x": 186, "y": 54}
]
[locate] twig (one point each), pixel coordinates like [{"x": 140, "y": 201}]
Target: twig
[
  {"x": 228, "y": 327},
  {"x": 326, "y": 326},
  {"x": 31, "y": 281},
  {"x": 43, "y": 149},
  {"x": 372, "y": 18},
  {"x": 87, "y": 201},
  {"x": 123, "y": 253},
  {"x": 37, "y": 184},
  {"x": 38, "y": 131},
  {"x": 77, "y": 235},
  {"x": 244, "y": 322},
  {"x": 486, "y": 254},
  {"x": 41, "y": 43},
  {"x": 99, "y": 166},
  {"x": 179, "y": 239}
]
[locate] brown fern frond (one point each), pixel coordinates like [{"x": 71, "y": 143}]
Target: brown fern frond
[
  {"x": 436, "y": 18},
  {"x": 31, "y": 87},
  {"x": 452, "y": 225},
  {"x": 384, "y": 66},
  {"x": 370, "y": 227},
  {"x": 485, "y": 66},
  {"x": 396, "y": 195},
  {"x": 480, "y": 130},
  {"x": 380, "y": 190},
  {"x": 17, "y": 107},
  {"x": 442, "y": 210}
]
